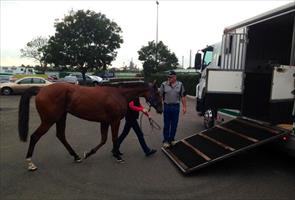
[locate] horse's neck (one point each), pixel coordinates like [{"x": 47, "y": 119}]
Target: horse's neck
[{"x": 131, "y": 93}]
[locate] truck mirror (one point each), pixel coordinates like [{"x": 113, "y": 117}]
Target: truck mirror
[{"x": 198, "y": 61}]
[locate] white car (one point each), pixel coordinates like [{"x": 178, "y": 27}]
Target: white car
[
  {"x": 96, "y": 78},
  {"x": 91, "y": 80}
]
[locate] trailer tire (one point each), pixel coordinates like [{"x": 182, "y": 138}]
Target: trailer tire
[{"x": 209, "y": 119}]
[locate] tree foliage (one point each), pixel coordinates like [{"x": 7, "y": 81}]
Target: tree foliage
[
  {"x": 83, "y": 39},
  {"x": 33, "y": 49},
  {"x": 157, "y": 58}
]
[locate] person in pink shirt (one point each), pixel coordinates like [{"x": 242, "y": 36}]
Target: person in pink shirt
[{"x": 131, "y": 122}]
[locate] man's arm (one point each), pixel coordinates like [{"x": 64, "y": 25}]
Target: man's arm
[
  {"x": 162, "y": 92},
  {"x": 183, "y": 101}
]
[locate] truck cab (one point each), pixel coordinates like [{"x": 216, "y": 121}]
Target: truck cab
[
  {"x": 208, "y": 57},
  {"x": 218, "y": 87}
]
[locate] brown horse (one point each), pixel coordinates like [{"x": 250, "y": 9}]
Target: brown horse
[{"x": 104, "y": 104}]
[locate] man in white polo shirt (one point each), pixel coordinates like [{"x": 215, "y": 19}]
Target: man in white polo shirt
[{"x": 172, "y": 92}]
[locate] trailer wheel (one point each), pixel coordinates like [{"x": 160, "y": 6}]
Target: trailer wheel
[{"x": 208, "y": 119}]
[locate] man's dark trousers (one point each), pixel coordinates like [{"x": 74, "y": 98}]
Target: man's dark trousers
[
  {"x": 134, "y": 124},
  {"x": 171, "y": 115}
]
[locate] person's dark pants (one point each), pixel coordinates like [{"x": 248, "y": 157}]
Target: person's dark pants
[
  {"x": 171, "y": 115},
  {"x": 134, "y": 124}
]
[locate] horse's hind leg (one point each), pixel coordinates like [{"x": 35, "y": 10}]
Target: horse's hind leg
[
  {"x": 41, "y": 130},
  {"x": 60, "y": 134},
  {"x": 115, "y": 128},
  {"x": 104, "y": 135}
]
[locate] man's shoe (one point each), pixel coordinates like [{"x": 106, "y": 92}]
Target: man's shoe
[
  {"x": 166, "y": 145},
  {"x": 173, "y": 142},
  {"x": 151, "y": 152},
  {"x": 119, "y": 159}
]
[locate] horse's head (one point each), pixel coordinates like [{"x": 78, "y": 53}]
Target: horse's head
[{"x": 154, "y": 97}]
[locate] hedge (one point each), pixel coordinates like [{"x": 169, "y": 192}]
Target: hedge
[
  {"x": 18, "y": 76},
  {"x": 189, "y": 80}
]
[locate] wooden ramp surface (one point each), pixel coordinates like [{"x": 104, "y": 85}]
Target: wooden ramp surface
[{"x": 221, "y": 142}]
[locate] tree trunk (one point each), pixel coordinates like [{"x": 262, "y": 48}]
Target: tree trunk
[
  {"x": 83, "y": 71},
  {"x": 43, "y": 66}
]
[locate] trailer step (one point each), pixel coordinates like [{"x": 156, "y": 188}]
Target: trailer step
[{"x": 221, "y": 142}]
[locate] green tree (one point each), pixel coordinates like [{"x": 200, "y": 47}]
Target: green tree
[
  {"x": 84, "y": 40},
  {"x": 157, "y": 58},
  {"x": 33, "y": 49}
]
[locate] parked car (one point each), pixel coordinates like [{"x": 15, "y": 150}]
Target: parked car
[
  {"x": 96, "y": 78},
  {"x": 90, "y": 80},
  {"x": 52, "y": 78},
  {"x": 20, "y": 85},
  {"x": 5, "y": 79},
  {"x": 106, "y": 75},
  {"x": 69, "y": 79}
]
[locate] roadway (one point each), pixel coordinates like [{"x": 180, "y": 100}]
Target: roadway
[{"x": 263, "y": 173}]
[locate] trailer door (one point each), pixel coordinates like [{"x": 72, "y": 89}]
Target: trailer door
[
  {"x": 282, "y": 83},
  {"x": 234, "y": 50},
  {"x": 282, "y": 94},
  {"x": 224, "y": 81},
  {"x": 223, "y": 89}
]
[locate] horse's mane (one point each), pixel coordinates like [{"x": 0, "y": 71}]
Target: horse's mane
[{"x": 126, "y": 84}]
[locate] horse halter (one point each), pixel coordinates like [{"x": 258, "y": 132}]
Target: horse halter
[{"x": 152, "y": 100}]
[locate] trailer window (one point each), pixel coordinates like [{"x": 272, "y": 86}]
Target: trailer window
[{"x": 229, "y": 43}]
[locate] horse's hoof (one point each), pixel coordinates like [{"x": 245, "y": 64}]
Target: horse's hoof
[
  {"x": 32, "y": 167},
  {"x": 85, "y": 155}
]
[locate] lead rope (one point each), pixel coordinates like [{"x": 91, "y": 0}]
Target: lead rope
[
  {"x": 153, "y": 123},
  {"x": 141, "y": 115}
]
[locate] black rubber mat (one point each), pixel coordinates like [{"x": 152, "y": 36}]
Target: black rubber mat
[
  {"x": 228, "y": 138},
  {"x": 207, "y": 147},
  {"x": 186, "y": 155},
  {"x": 251, "y": 131},
  {"x": 212, "y": 145}
]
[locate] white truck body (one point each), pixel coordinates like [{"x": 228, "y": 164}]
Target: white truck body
[
  {"x": 233, "y": 83},
  {"x": 11, "y": 70},
  {"x": 252, "y": 69}
]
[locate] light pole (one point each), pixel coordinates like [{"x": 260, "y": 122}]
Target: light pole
[
  {"x": 157, "y": 28},
  {"x": 157, "y": 32},
  {"x": 190, "y": 58}
]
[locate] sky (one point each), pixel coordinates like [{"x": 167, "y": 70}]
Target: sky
[{"x": 184, "y": 26}]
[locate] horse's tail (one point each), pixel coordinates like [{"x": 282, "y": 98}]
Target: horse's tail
[{"x": 23, "y": 112}]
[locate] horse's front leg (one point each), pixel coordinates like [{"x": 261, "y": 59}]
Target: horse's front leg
[
  {"x": 115, "y": 128},
  {"x": 104, "y": 135}
]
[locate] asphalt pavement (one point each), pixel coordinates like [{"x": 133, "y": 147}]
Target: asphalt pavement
[{"x": 263, "y": 173}]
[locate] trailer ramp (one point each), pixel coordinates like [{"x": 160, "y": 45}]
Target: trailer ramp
[{"x": 221, "y": 142}]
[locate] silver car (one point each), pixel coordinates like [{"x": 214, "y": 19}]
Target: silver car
[{"x": 20, "y": 85}]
